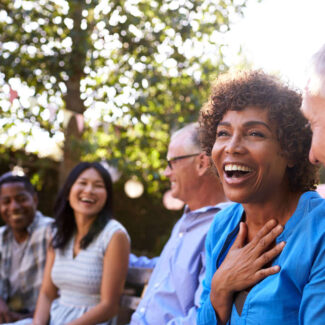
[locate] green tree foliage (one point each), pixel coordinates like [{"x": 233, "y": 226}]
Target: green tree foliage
[{"x": 134, "y": 69}]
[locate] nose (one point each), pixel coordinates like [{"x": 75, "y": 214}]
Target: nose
[
  {"x": 14, "y": 205},
  {"x": 235, "y": 145},
  {"x": 312, "y": 157},
  {"x": 167, "y": 171},
  {"x": 88, "y": 188}
]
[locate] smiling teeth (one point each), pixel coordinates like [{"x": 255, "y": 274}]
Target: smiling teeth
[
  {"x": 87, "y": 200},
  {"x": 233, "y": 168},
  {"x": 17, "y": 216}
]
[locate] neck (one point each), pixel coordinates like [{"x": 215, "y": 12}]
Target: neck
[
  {"x": 83, "y": 224},
  {"x": 208, "y": 194},
  {"x": 20, "y": 236},
  {"x": 281, "y": 207}
]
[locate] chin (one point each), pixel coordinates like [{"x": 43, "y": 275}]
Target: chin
[
  {"x": 175, "y": 194},
  {"x": 238, "y": 197}
]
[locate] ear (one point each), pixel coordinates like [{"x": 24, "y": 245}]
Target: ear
[{"x": 204, "y": 163}]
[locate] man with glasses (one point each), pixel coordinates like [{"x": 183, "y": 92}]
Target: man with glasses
[{"x": 174, "y": 289}]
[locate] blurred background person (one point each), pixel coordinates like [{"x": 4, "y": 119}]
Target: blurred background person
[
  {"x": 174, "y": 289},
  {"x": 23, "y": 244},
  {"x": 87, "y": 261},
  {"x": 313, "y": 105}
]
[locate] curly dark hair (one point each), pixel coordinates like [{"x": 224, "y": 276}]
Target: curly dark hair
[{"x": 236, "y": 91}]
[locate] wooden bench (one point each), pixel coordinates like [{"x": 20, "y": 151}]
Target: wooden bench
[{"x": 135, "y": 286}]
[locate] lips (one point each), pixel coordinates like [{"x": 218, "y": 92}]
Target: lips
[
  {"x": 87, "y": 200},
  {"x": 16, "y": 216},
  {"x": 237, "y": 173}
]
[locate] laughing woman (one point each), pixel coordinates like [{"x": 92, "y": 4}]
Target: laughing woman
[
  {"x": 87, "y": 262},
  {"x": 266, "y": 253}
]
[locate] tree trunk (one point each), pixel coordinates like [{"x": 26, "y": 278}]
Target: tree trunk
[{"x": 73, "y": 102}]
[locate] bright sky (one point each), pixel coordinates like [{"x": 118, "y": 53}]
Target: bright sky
[{"x": 281, "y": 35}]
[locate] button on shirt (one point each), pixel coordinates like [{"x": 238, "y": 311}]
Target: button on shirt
[
  {"x": 173, "y": 292},
  {"x": 296, "y": 294}
]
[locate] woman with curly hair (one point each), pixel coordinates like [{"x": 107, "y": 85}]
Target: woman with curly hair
[
  {"x": 87, "y": 261},
  {"x": 266, "y": 253}
]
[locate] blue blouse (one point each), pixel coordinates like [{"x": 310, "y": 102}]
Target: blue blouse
[{"x": 295, "y": 295}]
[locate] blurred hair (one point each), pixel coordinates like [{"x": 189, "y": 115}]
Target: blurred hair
[
  {"x": 316, "y": 73},
  {"x": 192, "y": 143},
  {"x": 237, "y": 91},
  {"x": 10, "y": 178},
  {"x": 63, "y": 213}
]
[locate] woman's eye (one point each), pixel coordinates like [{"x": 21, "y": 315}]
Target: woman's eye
[
  {"x": 256, "y": 134},
  {"x": 222, "y": 133}
]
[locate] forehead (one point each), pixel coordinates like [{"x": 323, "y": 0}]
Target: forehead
[
  {"x": 13, "y": 189},
  {"x": 179, "y": 144},
  {"x": 313, "y": 107},
  {"x": 250, "y": 113},
  {"x": 91, "y": 173}
]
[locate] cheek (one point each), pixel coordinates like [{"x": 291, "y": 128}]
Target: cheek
[
  {"x": 103, "y": 197},
  {"x": 216, "y": 156},
  {"x": 318, "y": 136},
  {"x": 73, "y": 193}
]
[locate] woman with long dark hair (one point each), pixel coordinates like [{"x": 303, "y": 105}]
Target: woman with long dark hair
[{"x": 87, "y": 262}]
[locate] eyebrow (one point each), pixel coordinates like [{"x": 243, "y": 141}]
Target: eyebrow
[{"x": 248, "y": 123}]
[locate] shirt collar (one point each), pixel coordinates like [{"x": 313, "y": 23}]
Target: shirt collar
[
  {"x": 34, "y": 223},
  {"x": 207, "y": 208}
]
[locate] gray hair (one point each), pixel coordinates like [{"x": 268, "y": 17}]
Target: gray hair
[
  {"x": 193, "y": 141},
  {"x": 316, "y": 73}
]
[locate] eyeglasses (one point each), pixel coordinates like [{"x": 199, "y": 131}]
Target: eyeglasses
[{"x": 169, "y": 162}]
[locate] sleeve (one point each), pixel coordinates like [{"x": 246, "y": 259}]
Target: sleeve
[
  {"x": 111, "y": 228},
  {"x": 312, "y": 308},
  {"x": 142, "y": 261},
  {"x": 190, "y": 318},
  {"x": 3, "y": 274},
  {"x": 206, "y": 314}
]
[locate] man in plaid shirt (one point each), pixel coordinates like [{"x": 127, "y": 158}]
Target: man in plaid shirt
[{"x": 23, "y": 244}]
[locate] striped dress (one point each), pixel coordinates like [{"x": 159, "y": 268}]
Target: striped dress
[{"x": 79, "y": 278}]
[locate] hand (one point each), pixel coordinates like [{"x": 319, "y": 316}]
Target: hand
[
  {"x": 18, "y": 316},
  {"x": 5, "y": 314},
  {"x": 243, "y": 266}
]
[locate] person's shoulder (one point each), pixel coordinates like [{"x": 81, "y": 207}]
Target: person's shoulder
[
  {"x": 314, "y": 204},
  {"x": 312, "y": 214},
  {"x": 111, "y": 228},
  {"x": 113, "y": 225},
  {"x": 3, "y": 229},
  {"x": 226, "y": 218},
  {"x": 42, "y": 221}
]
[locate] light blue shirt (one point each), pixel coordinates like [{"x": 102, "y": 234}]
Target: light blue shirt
[
  {"x": 174, "y": 289},
  {"x": 142, "y": 261},
  {"x": 295, "y": 295}
]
